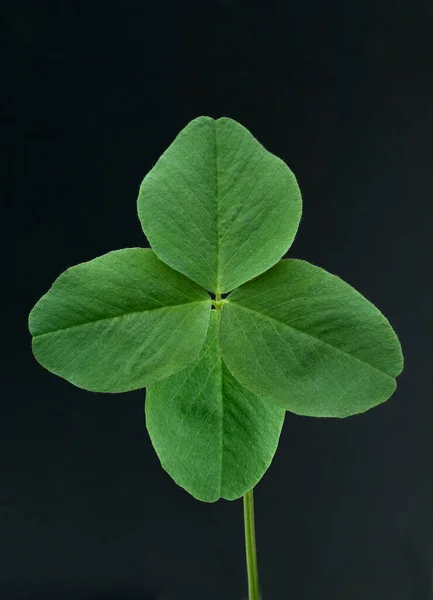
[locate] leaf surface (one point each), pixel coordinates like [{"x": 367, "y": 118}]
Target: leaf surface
[
  {"x": 119, "y": 322},
  {"x": 308, "y": 341},
  {"x": 215, "y": 438},
  {"x": 219, "y": 207}
]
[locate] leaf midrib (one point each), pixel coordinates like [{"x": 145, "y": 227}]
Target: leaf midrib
[
  {"x": 115, "y": 317},
  {"x": 339, "y": 350},
  {"x": 217, "y": 224}
]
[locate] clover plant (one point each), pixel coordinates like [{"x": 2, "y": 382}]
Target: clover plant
[{"x": 225, "y": 335}]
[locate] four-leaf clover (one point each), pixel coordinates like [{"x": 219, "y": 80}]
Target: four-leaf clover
[{"x": 219, "y": 212}]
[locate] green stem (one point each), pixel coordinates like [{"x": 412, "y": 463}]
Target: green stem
[
  {"x": 250, "y": 547},
  {"x": 217, "y": 301}
]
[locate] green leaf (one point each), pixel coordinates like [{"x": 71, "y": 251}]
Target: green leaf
[
  {"x": 215, "y": 438},
  {"x": 119, "y": 322},
  {"x": 217, "y": 206},
  {"x": 306, "y": 340}
]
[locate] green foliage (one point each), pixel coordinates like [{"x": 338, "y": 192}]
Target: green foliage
[
  {"x": 119, "y": 322},
  {"x": 219, "y": 211},
  {"x": 305, "y": 339},
  {"x": 217, "y": 206},
  {"x": 229, "y": 434}
]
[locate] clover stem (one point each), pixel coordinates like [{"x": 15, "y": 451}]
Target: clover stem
[
  {"x": 250, "y": 547},
  {"x": 217, "y": 300}
]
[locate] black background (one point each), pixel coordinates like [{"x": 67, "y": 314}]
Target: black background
[{"x": 93, "y": 92}]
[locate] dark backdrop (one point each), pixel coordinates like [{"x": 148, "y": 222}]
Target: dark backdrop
[{"x": 92, "y": 93}]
